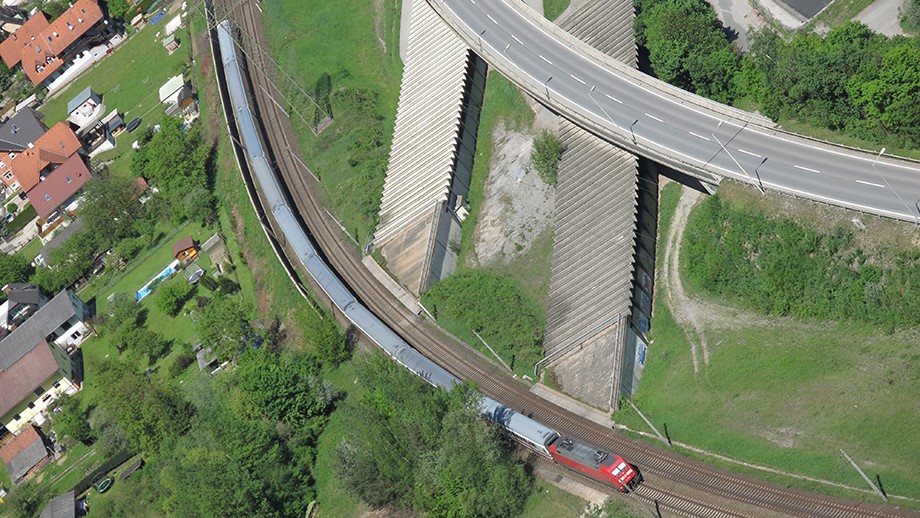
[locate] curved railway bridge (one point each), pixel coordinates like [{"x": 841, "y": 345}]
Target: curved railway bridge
[{"x": 675, "y": 485}]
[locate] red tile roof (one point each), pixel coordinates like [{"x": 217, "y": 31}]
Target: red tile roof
[
  {"x": 59, "y": 185},
  {"x": 12, "y": 47},
  {"x": 24, "y": 376},
  {"x": 26, "y": 438},
  {"x": 54, "y": 147},
  {"x": 37, "y": 44}
]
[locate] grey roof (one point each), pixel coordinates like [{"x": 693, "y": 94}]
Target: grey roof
[
  {"x": 35, "y": 329},
  {"x": 205, "y": 357},
  {"x": 131, "y": 469},
  {"x": 22, "y": 129},
  {"x": 59, "y": 239},
  {"x": 26, "y": 460},
  {"x": 24, "y": 293},
  {"x": 61, "y": 506},
  {"x": 81, "y": 98},
  {"x": 115, "y": 122}
]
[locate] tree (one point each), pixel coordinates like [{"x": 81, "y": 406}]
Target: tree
[
  {"x": 110, "y": 211},
  {"x": 148, "y": 411},
  {"x": 119, "y": 9},
  {"x": 175, "y": 160},
  {"x": 473, "y": 477},
  {"x": 72, "y": 422},
  {"x": 14, "y": 268},
  {"x": 12, "y": 208},
  {"x": 891, "y": 99},
  {"x": 224, "y": 324},
  {"x": 24, "y": 500},
  {"x": 286, "y": 389},
  {"x": 72, "y": 260},
  {"x": 547, "y": 151},
  {"x": 172, "y": 295},
  {"x": 123, "y": 308}
]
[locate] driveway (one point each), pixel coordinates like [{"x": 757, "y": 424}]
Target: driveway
[{"x": 882, "y": 16}]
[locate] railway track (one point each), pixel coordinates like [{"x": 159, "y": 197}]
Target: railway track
[{"x": 664, "y": 470}]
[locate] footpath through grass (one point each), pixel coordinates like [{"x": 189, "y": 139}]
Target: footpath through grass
[{"x": 789, "y": 395}]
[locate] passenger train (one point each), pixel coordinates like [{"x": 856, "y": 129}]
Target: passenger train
[{"x": 603, "y": 466}]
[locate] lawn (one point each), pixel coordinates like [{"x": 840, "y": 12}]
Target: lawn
[
  {"x": 360, "y": 53},
  {"x": 31, "y": 250},
  {"x": 129, "y": 79},
  {"x": 788, "y": 395}
]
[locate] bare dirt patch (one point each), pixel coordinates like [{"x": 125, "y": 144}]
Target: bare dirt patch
[{"x": 517, "y": 206}]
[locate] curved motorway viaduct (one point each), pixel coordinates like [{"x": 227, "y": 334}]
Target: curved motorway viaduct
[{"x": 670, "y": 126}]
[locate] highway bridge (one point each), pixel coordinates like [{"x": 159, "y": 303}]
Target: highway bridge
[{"x": 670, "y": 126}]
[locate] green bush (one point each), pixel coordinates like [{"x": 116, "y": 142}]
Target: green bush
[
  {"x": 24, "y": 217},
  {"x": 494, "y": 306},
  {"x": 182, "y": 362},
  {"x": 780, "y": 267},
  {"x": 11, "y": 208},
  {"x": 547, "y": 151}
]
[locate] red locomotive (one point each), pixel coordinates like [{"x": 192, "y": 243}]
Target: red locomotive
[{"x": 598, "y": 464}]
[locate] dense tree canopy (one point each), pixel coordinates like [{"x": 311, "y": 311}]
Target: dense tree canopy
[
  {"x": 72, "y": 422},
  {"x": 111, "y": 212},
  {"x": 13, "y": 268},
  {"x": 175, "y": 161},
  {"x": 403, "y": 448},
  {"x": 223, "y": 324}
]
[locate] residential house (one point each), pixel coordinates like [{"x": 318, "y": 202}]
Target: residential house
[
  {"x": 46, "y": 49},
  {"x": 65, "y": 506},
  {"x": 101, "y": 137},
  {"x": 185, "y": 250},
  {"x": 40, "y": 360},
  {"x": 22, "y": 301},
  {"x": 85, "y": 109},
  {"x": 24, "y": 455},
  {"x": 59, "y": 188},
  {"x": 178, "y": 98},
  {"x": 51, "y": 158},
  {"x": 16, "y": 135}
]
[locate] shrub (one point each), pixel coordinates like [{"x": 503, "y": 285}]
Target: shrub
[
  {"x": 12, "y": 208},
  {"x": 547, "y": 151},
  {"x": 183, "y": 360}
]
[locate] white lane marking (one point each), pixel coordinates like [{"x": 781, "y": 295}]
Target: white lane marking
[
  {"x": 870, "y": 183},
  {"x": 513, "y": 36},
  {"x": 803, "y": 168},
  {"x": 653, "y": 117},
  {"x": 493, "y": 19},
  {"x": 544, "y": 59},
  {"x": 697, "y": 135},
  {"x": 577, "y": 79},
  {"x": 746, "y": 152},
  {"x": 614, "y": 99},
  {"x": 660, "y": 90}
]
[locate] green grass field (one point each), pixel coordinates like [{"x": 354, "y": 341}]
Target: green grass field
[{"x": 789, "y": 395}]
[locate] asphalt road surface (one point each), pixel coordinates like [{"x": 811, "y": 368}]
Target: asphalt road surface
[{"x": 706, "y": 139}]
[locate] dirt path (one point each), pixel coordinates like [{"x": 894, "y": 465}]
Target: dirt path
[{"x": 694, "y": 315}]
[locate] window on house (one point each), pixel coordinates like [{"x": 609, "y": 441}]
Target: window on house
[
  {"x": 12, "y": 156},
  {"x": 9, "y": 175},
  {"x": 68, "y": 179},
  {"x": 17, "y": 417},
  {"x": 46, "y": 398},
  {"x": 56, "y": 384},
  {"x": 47, "y": 197},
  {"x": 75, "y": 335},
  {"x": 62, "y": 144},
  {"x": 39, "y": 391},
  {"x": 31, "y": 406}
]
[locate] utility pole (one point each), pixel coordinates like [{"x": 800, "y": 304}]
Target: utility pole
[
  {"x": 875, "y": 488},
  {"x": 649, "y": 423}
]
